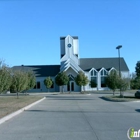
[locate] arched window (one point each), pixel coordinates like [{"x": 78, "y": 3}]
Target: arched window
[
  {"x": 103, "y": 73},
  {"x": 93, "y": 75},
  {"x": 113, "y": 70}
]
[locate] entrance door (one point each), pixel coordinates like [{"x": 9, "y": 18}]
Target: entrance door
[{"x": 70, "y": 86}]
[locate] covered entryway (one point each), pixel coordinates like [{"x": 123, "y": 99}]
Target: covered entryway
[{"x": 70, "y": 86}]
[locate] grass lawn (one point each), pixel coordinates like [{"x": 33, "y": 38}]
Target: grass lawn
[
  {"x": 9, "y": 104},
  {"x": 117, "y": 98}
]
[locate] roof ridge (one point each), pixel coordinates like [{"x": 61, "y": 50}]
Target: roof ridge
[
  {"x": 36, "y": 65},
  {"x": 102, "y": 58}
]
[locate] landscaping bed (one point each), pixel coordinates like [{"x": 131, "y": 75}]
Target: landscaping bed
[
  {"x": 117, "y": 98},
  {"x": 9, "y": 104}
]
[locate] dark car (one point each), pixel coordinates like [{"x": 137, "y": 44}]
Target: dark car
[{"x": 137, "y": 94}]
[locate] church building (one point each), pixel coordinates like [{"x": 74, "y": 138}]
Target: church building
[{"x": 95, "y": 69}]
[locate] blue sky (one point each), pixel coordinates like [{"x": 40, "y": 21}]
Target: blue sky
[{"x": 30, "y": 30}]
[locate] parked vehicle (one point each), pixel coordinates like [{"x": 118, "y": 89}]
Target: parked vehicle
[{"x": 137, "y": 94}]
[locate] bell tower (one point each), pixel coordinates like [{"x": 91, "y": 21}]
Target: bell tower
[
  {"x": 69, "y": 53},
  {"x": 69, "y": 48}
]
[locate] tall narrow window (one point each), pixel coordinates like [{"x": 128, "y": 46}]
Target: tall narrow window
[
  {"x": 103, "y": 77},
  {"x": 93, "y": 75},
  {"x": 37, "y": 86},
  {"x": 52, "y": 85},
  {"x": 72, "y": 86},
  {"x": 68, "y": 87}
]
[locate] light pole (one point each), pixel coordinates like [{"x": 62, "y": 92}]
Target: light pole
[{"x": 118, "y": 48}]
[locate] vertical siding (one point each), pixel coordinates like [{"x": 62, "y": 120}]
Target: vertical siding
[{"x": 62, "y": 47}]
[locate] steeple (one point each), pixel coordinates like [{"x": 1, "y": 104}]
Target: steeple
[
  {"x": 69, "y": 52},
  {"x": 69, "y": 46}
]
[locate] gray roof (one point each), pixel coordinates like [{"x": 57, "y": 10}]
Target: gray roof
[
  {"x": 40, "y": 70},
  {"x": 87, "y": 63}
]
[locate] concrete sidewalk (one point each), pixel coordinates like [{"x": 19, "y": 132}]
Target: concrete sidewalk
[{"x": 73, "y": 117}]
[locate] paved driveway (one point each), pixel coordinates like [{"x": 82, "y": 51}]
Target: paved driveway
[{"x": 73, "y": 117}]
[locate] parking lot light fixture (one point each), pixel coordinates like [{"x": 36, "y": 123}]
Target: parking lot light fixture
[{"x": 118, "y": 48}]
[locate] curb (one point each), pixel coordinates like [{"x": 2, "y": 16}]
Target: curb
[
  {"x": 113, "y": 100},
  {"x": 135, "y": 101},
  {"x": 6, "y": 118}
]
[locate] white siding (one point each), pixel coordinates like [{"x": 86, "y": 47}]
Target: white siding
[
  {"x": 62, "y": 46},
  {"x": 75, "y": 47},
  {"x": 125, "y": 74}
]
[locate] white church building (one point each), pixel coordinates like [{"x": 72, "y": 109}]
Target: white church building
[{"x": 94, "y": 68}]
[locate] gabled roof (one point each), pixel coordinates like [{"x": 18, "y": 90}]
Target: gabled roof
[
  {"x": 65, "y": 65},
  {"x": 87, "y": 63},
  {"x": 40, "y": 70}
]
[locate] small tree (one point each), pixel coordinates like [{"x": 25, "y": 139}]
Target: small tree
[
  {"x": 19, "y": 81},
  {"x": 48, "y": 83},
  {"x": 93, "y": 84},
  {"x": 112, "y": 81},
  {"x": 138, "y": 69},
  {"x": 133, "y": 75},
  {"x": 5, "y": 80},
  {"x": 81, "y": 79},
  {"x": 62, "y": 79},
  {"x": 31, "y": 80},
  {"x": 135, "y": 83},
  {"x": 122, "y": 85},
  {"x": 5, "y": 77},
  {"x": 135, "y": 79}
]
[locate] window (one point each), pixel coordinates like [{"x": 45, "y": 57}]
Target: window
[
  {"x": 94, "y": 79},
  {"x": 72, "y": 86},
  {"x": 104, "y": 73},
  {"x": 68, "y": 87},
  {"x": 93, "y": 74},
  {"x": 103, "y": 77},
  {"x": 113, "y": 71},
  {"x": 52, "y": 85},
  {"x": 103, "y": 81},
  {"x": 37, "y": 86}
]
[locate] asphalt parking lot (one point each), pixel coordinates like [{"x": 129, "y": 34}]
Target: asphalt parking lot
[{"x": 73, "y": 117}]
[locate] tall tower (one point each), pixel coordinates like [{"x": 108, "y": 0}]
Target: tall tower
[
  {"x": 69, "y": 48},
  {"x": 69, "y": 53}
]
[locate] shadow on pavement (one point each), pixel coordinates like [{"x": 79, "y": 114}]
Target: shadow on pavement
[
  {"x": 138, "y": 110},
  {"x": 106, "y": 99},
  {"x": 68, "y": 98}
]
